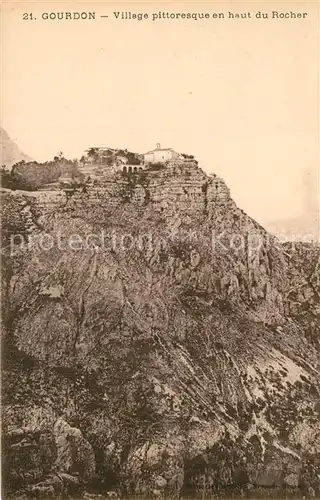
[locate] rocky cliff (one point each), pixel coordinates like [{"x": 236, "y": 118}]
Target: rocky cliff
[
  {"x": 157, "y": 341},
  {"x": 10, "y": 153},
  {"x": 180, "y": 185}
]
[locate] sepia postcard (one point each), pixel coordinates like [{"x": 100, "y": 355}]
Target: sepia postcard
[{"x": 160, "y": 252}]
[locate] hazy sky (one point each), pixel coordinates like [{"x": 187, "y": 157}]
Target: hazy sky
[{"x": 241, "y": 95}]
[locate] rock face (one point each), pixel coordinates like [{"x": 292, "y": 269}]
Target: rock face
[
  {"x": 10, "y": 153},
  {"x": 159, "y": 345},
  {"x": 180, "y": 185}
]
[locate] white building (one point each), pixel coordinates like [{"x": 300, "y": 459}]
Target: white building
[{"x": 160, "y": 155}]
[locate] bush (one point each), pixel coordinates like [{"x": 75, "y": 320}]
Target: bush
[{"x": 32, "y": 176}]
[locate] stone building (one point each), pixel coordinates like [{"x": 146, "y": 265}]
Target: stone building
[
  {"x": 160, "y": 155},
  {"x": 102, "y": 161}
]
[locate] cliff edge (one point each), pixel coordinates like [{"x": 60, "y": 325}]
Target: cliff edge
[{"x": 157, "y": 341}]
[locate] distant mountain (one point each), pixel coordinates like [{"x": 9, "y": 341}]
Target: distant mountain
[
  {"x": 304, "y": 227},
  {"x": 307, "y": 224},
  {"x": 10, "y": 153}
]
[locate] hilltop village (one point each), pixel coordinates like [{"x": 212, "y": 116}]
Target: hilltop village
[
  {"x": 161, "y": 177},
  {"x": 158, "y": 342}
]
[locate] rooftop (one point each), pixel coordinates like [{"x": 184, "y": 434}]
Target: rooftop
[{"x": 159, "y": 148}]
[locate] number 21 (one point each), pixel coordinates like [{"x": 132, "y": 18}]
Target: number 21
[{"x": 27, "y": 17}]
